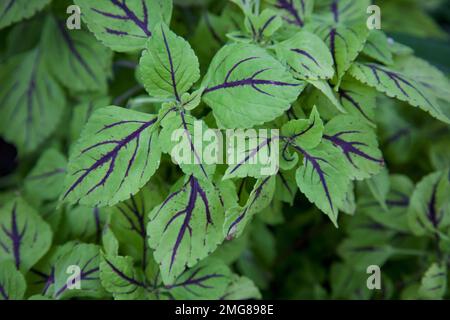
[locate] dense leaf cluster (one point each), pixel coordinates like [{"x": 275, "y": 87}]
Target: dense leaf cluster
[{"x": 363, "y": 138}]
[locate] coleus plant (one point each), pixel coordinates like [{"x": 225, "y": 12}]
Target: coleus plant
[{"x": 105, "y": 196}]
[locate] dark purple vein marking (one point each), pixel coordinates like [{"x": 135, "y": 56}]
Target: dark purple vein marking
[
  {"x": 71, "y": 45},
  {"x": 8, "y": 7},
  {"x": 307, "y": 55},
  {"x": 128, "y": 15},
  {"x": 247, "y": 208},
  {"x": 15, "y": 235},
  {"x": 110, "y": 157},
  {"x": 315, "y": 162},
  {"x": 432, "y": 213},
  {"x": 195, "y": 191},
  {"x": 285, "y": 183},
  {"x": 47, "y": 174},
  {"x": 345, "y": 94},
  {"x": 172, "y": 70},
  {"x": 288, "y": 6},
  {"x": 250, "y": 81},
  {"x": 122, "y": 275},
  {"x": 335, "y": 11},
  {"x": 198, "y": 282},
  {"x": 397, "y": 79},
  {"x": 349, "y": 147}
]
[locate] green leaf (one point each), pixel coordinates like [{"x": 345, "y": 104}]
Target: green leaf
[
  {"x": 120, "y": 278},
  {"x": 12, "y": 11},
  {"x": 46, "y": 179},
  {"x": 182, "y": 137},
  {"x": 186, "y": 227},
  {"x": 207, "y": 280},
  {"x": 357, "y": 144},
  {"x": 306, "y": 133},
  {"x": 294, "y": 12},
  {"x": 434, "y": 282},
  {"x": 430, "y": 77},
  {"x": 237, "y": 218},
  {"x": 358, "y": 99},
  {"x": 82, "y": 112},
  {"x": 83, "y": 223},
  {"x": 345, "y": 43},
  {"x": 323, "y": 178},
  {"x": 264, "y": 25},
  {"x": 379, "y": 186},
  {"x": 393, "y": 213},
  {"x": 24, "y": 237},
  {"x": 241, "y": 288},
  {"x": 324, "y": 89},
  {"x": 116, "y": 155},
  {"x": 399, "y": 86},
  {"x": 377, "y": 47},
  {"x": 286, "y": 186},
  {"x": 12, "y": 282},
  {"x": 86, "y": 257},
  {"x": 76, "y": 58},
  {"x": 307, "y": 55},
  {"x": 429, "y": 208},
  {"x": 41, "y": 278},
  {"x": 168, "y": 67},
  {"x": 245, "y": 86},
  {"x": 32, "y": 101},
  {"x": 124, "y": 26},
  {"x": 129, "y": 222}
]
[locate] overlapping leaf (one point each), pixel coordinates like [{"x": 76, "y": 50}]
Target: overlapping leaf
[
  {"x": 12, "y": 282},
  {"x": 12, "y": 11},
  {"x": 307, "y": 55},
  {"x": 245, "y": 86},
  {"x": 31, "y": 102},
  {"x": 24, "y": 236},
  {"x": 115, "y": 156},
  {"x": 357, "y": 143},
  {"x": 400, "y": 86},
  {"x": 186, "y": 227},
  {"x": 237, "y": 218},
  {"x": 83, "y": 64},
  {"x": 124, "y": 25},
  {"x": 168, "y": 67}
]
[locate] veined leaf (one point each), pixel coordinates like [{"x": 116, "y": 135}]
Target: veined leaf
[
  {"x": 181, "y": 137},
  {"x": 237, "y": 218},
  {"x": 293, "y": 12},
  {"x": 345, "y": 43},
  {"x": 82, "y": 112},
  {"x": 324, "y": 89},
  {"x": 12, "y": 282},
  {"x": 306, "y": 133},
  {"x": 307, "y": 55},
  {"x": 429, "y": 208},
  {"x": 358, "y": 145},
  {"x": 323, "y": 178},
  {"x": 124, "y": 25},
  {"x": 41, "y": 278},
  {"x": 120, "y": 278},
  {"x": 31, "y": 102},
  {"x": 168, "y": 67},
  {"x": 430, "y": 77},
  {"x": 86, "y": 257},
  {"x": 186, "y": 227},
  {"x": 116, "y": 155},
  {"x": 129, "y": 222},
  {"x": 83, "y": 223},
  {"x": 377, "y": 47},
  {"x": 12, "y": 11},
  {"x": 46, "y": 179},
  {"x": 245, "y": 86},
  {"x": 342, "y": 11},
  {"x": 434, "y": 282},
  {"x": 357, "y": 99},
  {"x": 24, "y": 236},
  {"x": 286, "y": 186},
  {"x": 400, "y": 86},
  {"x": 207, "y": 280},
  {"x": 264, "y": 25},
  {"x": 241, "y": 288},
  {"x": 83, "y": 64}
]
